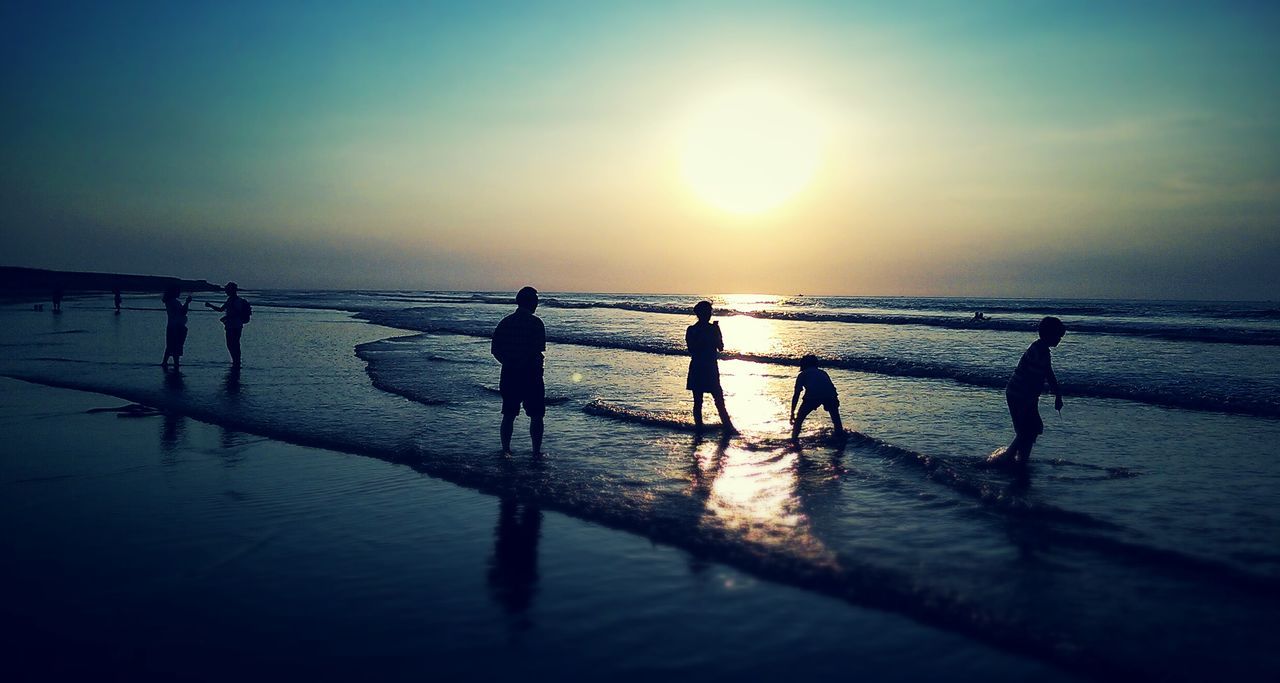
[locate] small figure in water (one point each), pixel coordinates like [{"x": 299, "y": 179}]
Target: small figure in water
[
  {"x": 819, "y": 391},
  {"x": 57, "y": 300},
  {"x": 979, "y": 317},
  {"x": 518, "y": 343},
  {"x": 1023, "y": 393},
  {"x": 175, "y": 334},
  {"x": 237, "y": 312},
  {"x": 705, "y": 344},
  {"x": 116, "y": 292}
]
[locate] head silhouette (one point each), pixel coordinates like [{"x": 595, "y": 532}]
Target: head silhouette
[
  {"x": 702, "y": 309},
  {"x": 170, "y": 292},
  {"x": 527, "y": 298},
  {"x": 232, "y": 288},
  {"x": 809, "y": 361},
  {"x": 1052, "y": 330}
]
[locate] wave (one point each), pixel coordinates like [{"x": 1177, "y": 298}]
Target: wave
[
  {"x": 654, "y": 418},
  {"x": 1149, "y": 330},
  {"x": 1202, "y": 398}
]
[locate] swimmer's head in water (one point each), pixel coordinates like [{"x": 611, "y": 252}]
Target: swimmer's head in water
[{"x": 702, "y": 309}]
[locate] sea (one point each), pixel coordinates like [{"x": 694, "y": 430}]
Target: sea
[{"x": 1142, "y": 542}]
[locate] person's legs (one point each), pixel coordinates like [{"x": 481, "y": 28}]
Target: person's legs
[
  {"x": 535, "y": 433},
  {"x": 697, "y": 410},
  {"x": 805, "y": 409},
  {"x": 508, "y": 426},
  {"x": 233, "y": 343},
  {"x": 727, "y": 424},
  {"x": 836, "y": 424}
]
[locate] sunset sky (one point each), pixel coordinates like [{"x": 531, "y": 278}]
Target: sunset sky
[{"x": 1004, "y": 149}]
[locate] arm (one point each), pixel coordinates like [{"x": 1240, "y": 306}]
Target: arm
[
  {"x": 719, "y": 337},
  {"x": 186, "y": 307},
  {"x": 221, "y": 308},
  {"x": 1053, "y": 386},
  {"x": 795, "y": 398}
]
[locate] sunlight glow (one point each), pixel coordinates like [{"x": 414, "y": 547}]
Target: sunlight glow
[{"x": 750, "y": 149}]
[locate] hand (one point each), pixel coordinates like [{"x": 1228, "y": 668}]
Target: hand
[
  {"x": 1057, "y": 403},
  {"x": 188, "y": 298},
  {"x": 793, "y": 419}
]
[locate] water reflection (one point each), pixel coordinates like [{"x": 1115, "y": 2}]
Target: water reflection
[
  {"x": 172, "y": 431},
  {"x": 513, "y": 569}
]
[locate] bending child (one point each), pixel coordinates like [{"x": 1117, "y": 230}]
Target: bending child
[{"x": 819, "y": 391}]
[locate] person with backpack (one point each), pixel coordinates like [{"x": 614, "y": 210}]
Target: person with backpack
[{"x": 238, "y": 312}]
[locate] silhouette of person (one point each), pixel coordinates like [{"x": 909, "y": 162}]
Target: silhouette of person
[
  {"x": 115, "y": 291},
  {"x": 1023, "y": 392},
  {"x": 513, "y": 569},
  {"x": 175, "y": 333},
  {"x": 705, "y": 344},
  {"x": 237, "y": 312},
  {"x": 518, "y": 343},
  {"x": 819, "y": 391},
  {"x": 57, "y": 300}
]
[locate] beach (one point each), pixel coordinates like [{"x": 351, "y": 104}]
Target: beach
[{"x": 247, "y": 520}]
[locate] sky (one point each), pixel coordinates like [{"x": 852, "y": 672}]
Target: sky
[{"x": 1020, "y": 149}]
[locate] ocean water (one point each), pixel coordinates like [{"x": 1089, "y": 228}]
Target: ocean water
[{"x": 1144, "y": 542}]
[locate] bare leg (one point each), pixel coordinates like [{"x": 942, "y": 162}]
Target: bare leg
[
  {"x": 795, "y": 429},
  {"x": 535, "y": 433},
  {"x": 508, "y": 426},
  {"x": 724, "y": 414},
  {"x": 836, "y": 423},
  {"x": 697, "y": 411}
]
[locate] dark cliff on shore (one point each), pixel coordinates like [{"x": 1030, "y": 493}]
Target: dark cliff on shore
[{"x": 16, "y": 281}]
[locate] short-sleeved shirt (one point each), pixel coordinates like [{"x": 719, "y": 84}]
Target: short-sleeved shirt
[
  {"x": 1033, "y": 370},
  {"x": 519, "y": 341},
  {"x": 817, "y": 385}
]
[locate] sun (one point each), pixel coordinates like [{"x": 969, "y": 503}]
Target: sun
[{"x": 750, "y": 149}]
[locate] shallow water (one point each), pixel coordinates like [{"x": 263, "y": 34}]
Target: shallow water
[{"x": 1140, "y": 523}]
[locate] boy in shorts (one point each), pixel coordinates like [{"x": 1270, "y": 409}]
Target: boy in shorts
[
  {"x": 819, "y": 391},
  {"x": 1023, "y": 392}
]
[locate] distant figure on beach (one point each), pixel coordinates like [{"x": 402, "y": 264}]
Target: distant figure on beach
[
  {"x": 57, "y": 300},
  {"x": 175, "y": 334},
  {"x": 518, "y": 343},
  {"x": 238, "y": 312},
  {"x": 1023, "y": 393},
  {"x": 513, "y": 570},
  {"x": 705, "y": 344},
  {"x": 979, "y": 317},
  {"x": 116, "y": 292},
  {"x": 819, "y": 392}
]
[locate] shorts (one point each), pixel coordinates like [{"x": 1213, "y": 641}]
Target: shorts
[
  {"x": 523, "y": 386},
  {"x": 830, "y": 404},
  {"x": 1026, "y": 416},
  {"x": 704, "y": 377},
  {"x": 174, "y": 339}
]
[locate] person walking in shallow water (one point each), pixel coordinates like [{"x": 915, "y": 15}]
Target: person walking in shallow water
[
  {"x": 1023, "y": 393},
  {"x": 705, "y": 344},
  {"x": 116, "y": 295},
  {"x": 519, "y": 342},
  {"x": 237, "y": 312},
  {"x": 175, "y": 334}
]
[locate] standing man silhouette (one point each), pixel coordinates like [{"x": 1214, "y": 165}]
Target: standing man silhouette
[
  {"x": 237, "y": 314},
  {"x": 518, "y": 343}
]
